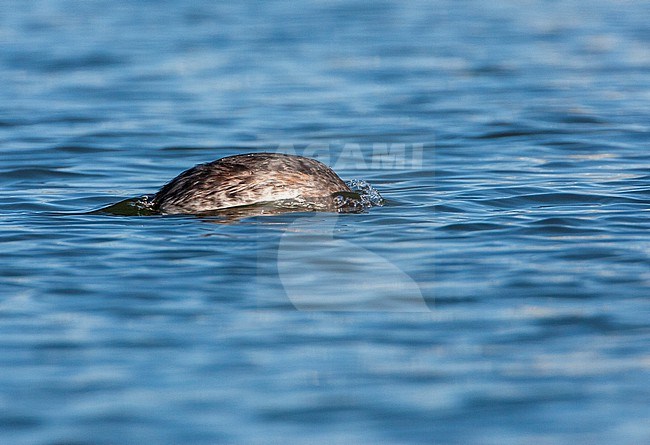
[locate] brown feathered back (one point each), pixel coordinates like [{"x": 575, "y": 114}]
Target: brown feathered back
[{"x": 251, "y": 179}]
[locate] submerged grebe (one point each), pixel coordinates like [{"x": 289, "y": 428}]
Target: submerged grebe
[{"x": 254, "y": 178}]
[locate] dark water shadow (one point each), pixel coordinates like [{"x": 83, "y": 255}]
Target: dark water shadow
[{"x": 140, "y": 206}]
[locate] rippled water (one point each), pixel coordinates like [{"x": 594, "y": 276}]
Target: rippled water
[{"x": 499, "y": 296}]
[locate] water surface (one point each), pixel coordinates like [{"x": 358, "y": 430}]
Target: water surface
[{"x": 500, "y": 295}]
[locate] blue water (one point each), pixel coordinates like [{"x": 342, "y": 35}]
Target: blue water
[{"x": 500, "y": 296}]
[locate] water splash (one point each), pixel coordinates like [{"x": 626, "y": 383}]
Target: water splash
[
  {"x": 362, "y": 197},
  {"x": 369, "y": 195}
]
